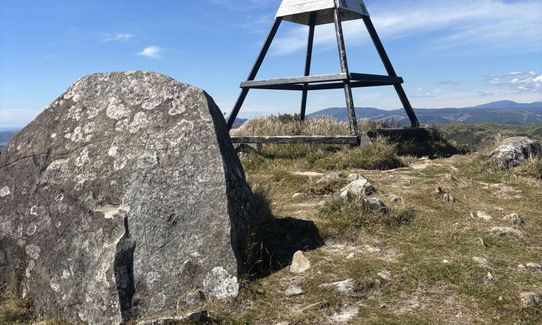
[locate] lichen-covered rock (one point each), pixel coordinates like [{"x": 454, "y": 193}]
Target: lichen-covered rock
[
  {"x": 121, "y": 198},
  {"x": 357, "y": 188},
  {"x": 514, "y": 151}
]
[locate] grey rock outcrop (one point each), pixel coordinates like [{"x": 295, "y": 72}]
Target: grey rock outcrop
[
  {"x": 121, "y": 198},
  {"x": 514, "y": 151}
]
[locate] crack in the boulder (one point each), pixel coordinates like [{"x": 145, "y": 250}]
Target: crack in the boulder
[
  {"x": 124, "y": 271},
  {"x": 49, "y": 153}
]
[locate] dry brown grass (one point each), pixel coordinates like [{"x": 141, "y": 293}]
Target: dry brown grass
[
  {"x": 342, "y": 220},
  {"x": 14, "y": 310},
  {"x": 281, "y": 125},
  {"x": 532, "y": 168},
  {"x": 271, "y": 126}
]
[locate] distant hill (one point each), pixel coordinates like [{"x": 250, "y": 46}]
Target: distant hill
[
  {"x": 502, "y": 112},
  {"x": 238, "y": 122},
  {"x": 5, "y": 137}
]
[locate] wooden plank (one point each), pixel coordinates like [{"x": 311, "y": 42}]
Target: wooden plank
[
  {"x": 344, "y": 69},
  {"x": 314, "y": 139},
  {"x": 373, "y": 78},
  {"x": 353, "y": 84},
  {"x": 279, "y": 87},
  {"x": 308, "y": 60},
  {"x": 325, "y": 86},
  {"x": 323, "y": 82},
  {"x": 294, "y": 80}
]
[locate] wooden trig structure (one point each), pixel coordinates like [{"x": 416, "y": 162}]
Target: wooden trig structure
[{"x": 312, "y": 13}]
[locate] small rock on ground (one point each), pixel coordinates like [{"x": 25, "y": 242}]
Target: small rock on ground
[
  {"x": 376, "y": 205},
  {"x": 514, "y": 218},
  {"x": 529, "y": 299},
  {"x": 347, "y": 286},
  {"x": 345, "y": 315},
  {"x": 481, "y": 260},
  {"x": 507, "y": 232},
  {"x": 299, "y": 196},
  {"x": 481, "y": 215},
  {"x": 293, "y": 290},
  {"x": 384, "y": 275},
  {"x": 357, "y": 188},
  {"x": 300, "y": 263},
  {"x": 535, "y": 267},
  {"x": 445, "y": 196},
  {"x": 329, "y": 178}
]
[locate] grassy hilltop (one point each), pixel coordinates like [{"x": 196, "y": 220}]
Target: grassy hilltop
[{"x": 449, "y": 250}]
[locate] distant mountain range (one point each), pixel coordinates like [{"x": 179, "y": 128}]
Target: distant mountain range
[{"x": 501, "y": 112}]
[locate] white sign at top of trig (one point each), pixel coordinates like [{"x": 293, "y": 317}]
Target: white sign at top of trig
[{"x": 299, "y": 11}]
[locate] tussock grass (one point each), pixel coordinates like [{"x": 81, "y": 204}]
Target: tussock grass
[
  {"x": 344, "y": 220},
  {"x": 14, "y": 310},
  {"x": 289, "y": 125},
  {"x": 532, "y": 168},
  {"x": 380, "y": 154}
]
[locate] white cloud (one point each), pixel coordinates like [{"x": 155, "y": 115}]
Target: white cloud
[
  {"x": 473, "y": 24},
  {"x": 519, "y": 81},
  {"x": 243, "y": 5},
  {"x": 153, "y": 51},
  {"x": 119, "y": 37}
]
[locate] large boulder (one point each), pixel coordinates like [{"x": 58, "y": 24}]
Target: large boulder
[
  {"x": 122, "y": 198},
  {"x": 514, "y": 151}
]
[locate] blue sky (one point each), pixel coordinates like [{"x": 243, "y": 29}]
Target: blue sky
[{"x": 450, "y": 53}]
